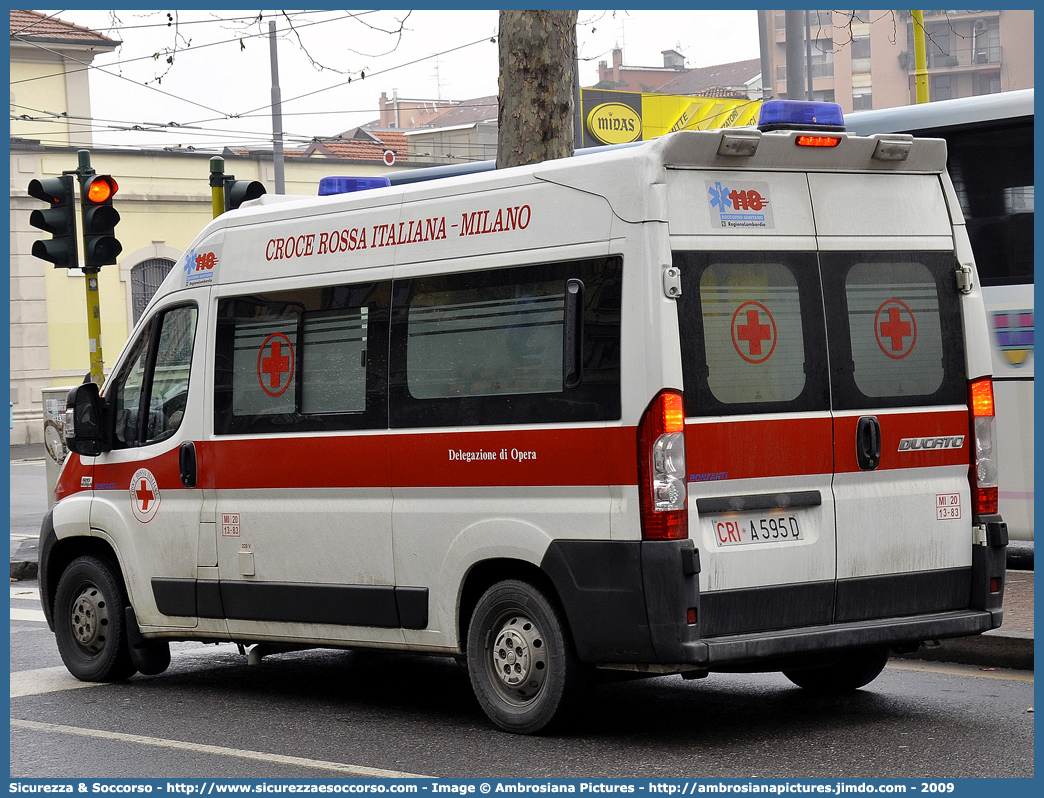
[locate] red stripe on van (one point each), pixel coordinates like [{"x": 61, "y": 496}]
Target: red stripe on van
[
  {"x": 588, "y": 456},
  {"x": 591, "y": 456},
  {"x": 727, "y": 449}
]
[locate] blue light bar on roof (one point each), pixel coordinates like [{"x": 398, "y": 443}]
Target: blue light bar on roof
[
  {"x": 800, "y": 115},
  {"x": 346, "y": 185}
]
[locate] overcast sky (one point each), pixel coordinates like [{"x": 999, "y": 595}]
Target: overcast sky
[{"x": 218, "y": 87}]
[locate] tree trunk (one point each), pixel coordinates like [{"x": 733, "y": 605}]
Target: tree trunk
[{"x": 537, "y": 65}]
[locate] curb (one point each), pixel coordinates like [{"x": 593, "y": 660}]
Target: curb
[{"x": 990, "y": 649}]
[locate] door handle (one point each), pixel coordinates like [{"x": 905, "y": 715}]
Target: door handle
[
  {"x": 868, "y": 443},
  {"x": 187, "y": 464}
]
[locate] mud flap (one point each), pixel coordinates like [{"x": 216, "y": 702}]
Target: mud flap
[{"x": 150, "y": 657}]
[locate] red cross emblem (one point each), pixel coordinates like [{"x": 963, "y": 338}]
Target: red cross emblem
[
  {"x": 145, "y": 495},
  {"x": 753, "y": 332},
  {"x": 895, "y": 328},
  {"x": 274, "y": 359}
]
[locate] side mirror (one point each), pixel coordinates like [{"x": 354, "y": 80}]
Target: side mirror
[{"x": 84, "y": 424}]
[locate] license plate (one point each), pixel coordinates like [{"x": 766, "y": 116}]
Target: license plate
[{"x": 754, "y": 529}]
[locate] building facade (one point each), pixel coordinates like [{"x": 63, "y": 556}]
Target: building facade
[
  {"x": 164, "y": 200},
  {"x": 865, "y": 59}
]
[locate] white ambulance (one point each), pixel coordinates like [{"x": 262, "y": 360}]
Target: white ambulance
[{"x": 717, "y": 402}]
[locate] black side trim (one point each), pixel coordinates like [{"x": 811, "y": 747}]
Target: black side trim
[
  {"x": 765, "y": 608},
  {"x": 208, "y": 598},
  {"x": 176, "y": 596},
  {"x": 902, "y": 594},
  {"x": 413, "y": 607},
  {"x": 759, "y": 501},
  {"x": 344, "y": 605},
  {"x": 350, "y": 605}
]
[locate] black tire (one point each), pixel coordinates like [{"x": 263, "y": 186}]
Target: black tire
[
  {"x": 520, "y": 659},
  {"x": 852, "y": 670},
  {"x": 90, "y": 622}
]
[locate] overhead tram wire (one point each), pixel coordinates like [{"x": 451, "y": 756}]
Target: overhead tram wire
[{"x": 103, "y": 69}]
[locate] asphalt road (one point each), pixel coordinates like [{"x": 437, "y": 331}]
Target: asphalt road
[{"x": 328, "y": 714}]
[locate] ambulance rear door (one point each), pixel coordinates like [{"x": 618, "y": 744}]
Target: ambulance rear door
[
  {"x": 759, "y": 446},
  {"x": 899, "y": 394}
]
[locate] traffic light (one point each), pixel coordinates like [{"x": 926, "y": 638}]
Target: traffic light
[
  {"x": 239, "y": 191},
  {"x": 100, "y": 245},
  {"x": 59, "y": 220}
]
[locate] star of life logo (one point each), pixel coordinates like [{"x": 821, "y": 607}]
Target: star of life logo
[
  {"x": 199, "y": 267},
  {"x": 740, "y": 207}
]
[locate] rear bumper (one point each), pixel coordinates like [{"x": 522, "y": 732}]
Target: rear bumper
[
  {"x": 760, "y": 646},
  {"x": 630, "y": 603}
]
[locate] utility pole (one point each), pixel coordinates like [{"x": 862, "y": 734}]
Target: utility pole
[
  {"x": 277, "y": 112},
  {"x": 808, "y": 55},
  {"x": 795, "y": 78}
]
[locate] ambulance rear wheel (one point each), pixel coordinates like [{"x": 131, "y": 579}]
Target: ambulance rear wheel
[
  {"x": 520, "y": 659},
  {"x": 89, "y": 622},
  {"x": 854, "y": 669}
]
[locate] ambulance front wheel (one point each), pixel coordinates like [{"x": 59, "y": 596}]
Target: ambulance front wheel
[
  {"x": 520, "y": 659},
  {"x": 89, "y": 622},
  {"x": 854, "y": 669}
]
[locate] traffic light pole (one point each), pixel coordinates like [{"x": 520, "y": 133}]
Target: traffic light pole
[
  {"x": 90, "y": 277},
  {"x": 217, "y": 185}
]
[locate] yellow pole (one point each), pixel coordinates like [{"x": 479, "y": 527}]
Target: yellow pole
[
  {"x": 217, "y": 185},
  {"x": 920, "y": 58},
  {"x": 94, "y": 327}
]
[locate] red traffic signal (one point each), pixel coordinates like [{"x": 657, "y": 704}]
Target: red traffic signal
[
  {"x": 100, "y": 245},
  {"x": 100, "y": 189}
]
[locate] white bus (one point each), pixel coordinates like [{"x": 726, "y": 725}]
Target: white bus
[{"x": 990, "y": 148}]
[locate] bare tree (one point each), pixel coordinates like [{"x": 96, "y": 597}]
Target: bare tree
[{"x": 537, "y": 67}]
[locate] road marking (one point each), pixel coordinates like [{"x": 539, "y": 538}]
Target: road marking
[
  {"x": 217, "y": 750},
  {"x": 27, "y": 615},
  {"x": 954, "y": 669},
  {"x": 20, "y": 592},
  {"x": 45, "y": 680}
]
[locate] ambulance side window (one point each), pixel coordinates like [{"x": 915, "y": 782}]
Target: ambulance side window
[
  {"x": 751, "y": 333},
  {"x": 494, "y": 346},
  {"x": 149, "y": 395},
  {"x": 895, "y": 329},
  {"x": 302, "y": 360}
]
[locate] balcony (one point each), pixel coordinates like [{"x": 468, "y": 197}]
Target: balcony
[{"x": 964, "y": 58}]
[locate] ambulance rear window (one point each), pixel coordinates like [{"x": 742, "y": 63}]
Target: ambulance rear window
[
  {"x": 895, "y": 332},
  {"x": 752, "y": 333}
]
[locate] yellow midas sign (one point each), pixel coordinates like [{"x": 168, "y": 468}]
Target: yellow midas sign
[{"x": 616, "y": 117}]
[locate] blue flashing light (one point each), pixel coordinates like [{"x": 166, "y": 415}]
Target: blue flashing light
[
  {"x": 346, "y": 185},
  {"x": 800, "y": 115}
]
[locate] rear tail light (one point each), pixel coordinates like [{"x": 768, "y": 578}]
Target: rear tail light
[
  {"x": 817, "y": 141},
  {"x": 661, "y": 469},
  {"x": 983, "y": 476}
]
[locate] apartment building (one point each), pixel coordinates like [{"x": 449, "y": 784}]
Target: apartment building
[{"x": 865, "y": 59}]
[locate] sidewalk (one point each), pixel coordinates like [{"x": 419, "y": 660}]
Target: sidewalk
[{"x": 1011, "y": 646}]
